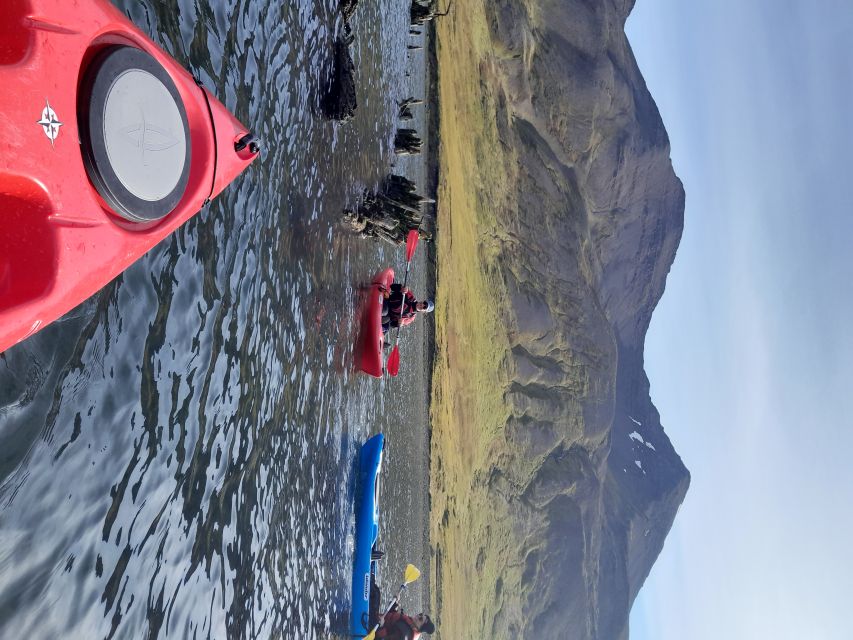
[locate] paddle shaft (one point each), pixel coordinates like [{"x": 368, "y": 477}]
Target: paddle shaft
[
  {"x": 393, "y": 363},
  {"x": 403, "y": 304}
]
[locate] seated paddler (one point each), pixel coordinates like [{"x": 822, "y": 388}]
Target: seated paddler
[
  {"x": 400, "y": 307},
  {"x": 396, "y": 625}
]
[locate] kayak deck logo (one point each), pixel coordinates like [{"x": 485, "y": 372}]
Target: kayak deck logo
[
  {"x": 49, "y": 122},
  {"x": 147, "y": 137}
]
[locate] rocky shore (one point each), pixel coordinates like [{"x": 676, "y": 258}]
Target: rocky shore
[{"x": 553, "y": 484}]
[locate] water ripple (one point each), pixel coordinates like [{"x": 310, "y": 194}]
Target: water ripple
[{"x": 178, "y": 451}]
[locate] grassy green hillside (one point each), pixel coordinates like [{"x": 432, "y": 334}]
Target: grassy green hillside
[{"x": 469, "y": 379}]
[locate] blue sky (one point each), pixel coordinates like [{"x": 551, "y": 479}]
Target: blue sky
[{"x": 750, "y": 352}]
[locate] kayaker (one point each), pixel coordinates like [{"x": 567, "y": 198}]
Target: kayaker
[
  {"x": 400, "y": 307},
  {"x": 396, "y": 625}
]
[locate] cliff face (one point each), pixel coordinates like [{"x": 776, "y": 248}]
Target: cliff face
[{"x": 587, "y": 481}]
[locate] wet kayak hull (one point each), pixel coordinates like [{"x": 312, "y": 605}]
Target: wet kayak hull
[
  {"x": 368, "y": 468},
  {"x": 369, "y": 357}
]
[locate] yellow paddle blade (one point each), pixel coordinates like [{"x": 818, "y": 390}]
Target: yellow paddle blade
[
  {"x": 372, "y": 634},
  {"x": 412, "y": 573}
]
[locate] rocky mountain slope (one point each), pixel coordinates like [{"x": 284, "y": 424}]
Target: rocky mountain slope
[{"x": 568, "y": 491}]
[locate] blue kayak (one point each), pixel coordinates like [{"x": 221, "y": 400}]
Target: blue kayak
[{"x": 366, "y": 533}]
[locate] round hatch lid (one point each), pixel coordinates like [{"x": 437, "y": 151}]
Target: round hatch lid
[{"x": 134, "y": 134}]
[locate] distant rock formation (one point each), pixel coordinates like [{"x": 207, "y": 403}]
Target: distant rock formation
[
  {"x": 390, "y": 213},
  {"x": 405, "y": 108},
  {"x": 347, "y": 8},
  {"x": 407, "y": 142},
  {"x": 422, "y": 11},
  {"x": 590, "y": 482},
  {"x": 339, "y": 100}
]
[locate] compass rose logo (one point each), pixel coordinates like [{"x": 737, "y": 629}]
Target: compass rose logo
[{"x": 49, "y": 122}]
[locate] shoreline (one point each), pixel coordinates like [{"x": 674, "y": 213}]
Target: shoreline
[
  {"x": 433, "y": 125},
  {"x": 475, "y": 176},
  {"x": 432, "y": 181}
]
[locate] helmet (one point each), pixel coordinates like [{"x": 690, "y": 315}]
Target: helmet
[{"x": 430, "y": 305}]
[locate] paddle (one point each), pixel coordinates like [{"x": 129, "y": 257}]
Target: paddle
[
  {"x": 411, "y": 574},
  {"x": 393, "y": 365}
]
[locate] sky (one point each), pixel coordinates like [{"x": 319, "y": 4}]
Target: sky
[{"x": 750, "y": 351}]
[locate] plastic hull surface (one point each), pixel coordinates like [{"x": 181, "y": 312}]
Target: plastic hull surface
[
  {"x": 366, "y": 531},
  {"x": 368, "y": 347},
  {"x": 60, "y": 242}
]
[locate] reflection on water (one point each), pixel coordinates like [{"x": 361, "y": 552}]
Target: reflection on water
[{"x": 176, "y": 454}]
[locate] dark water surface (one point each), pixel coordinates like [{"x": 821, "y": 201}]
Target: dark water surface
[{"x": 176, "y": 454}]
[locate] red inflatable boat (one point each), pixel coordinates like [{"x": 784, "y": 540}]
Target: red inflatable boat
[
  {"x": 368, "y": 347},
  {"x": 106, "y": 146}
]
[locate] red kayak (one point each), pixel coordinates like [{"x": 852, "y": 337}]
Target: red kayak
[
  {"x": 368, "y": 347},
  {"x": 106, "y": 146}
]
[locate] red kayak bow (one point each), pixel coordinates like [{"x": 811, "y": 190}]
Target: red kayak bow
[{"x": 107, "y": 145}]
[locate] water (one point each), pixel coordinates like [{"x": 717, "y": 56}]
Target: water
[{"x": 176, "y": 455}]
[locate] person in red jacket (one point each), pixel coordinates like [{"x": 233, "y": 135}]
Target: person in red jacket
[
  {"x": 396, "y": 625},
  {"x": 401, "y": 307}
]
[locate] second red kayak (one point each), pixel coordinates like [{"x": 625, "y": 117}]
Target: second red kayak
[
  {"x": 107, "y": 145},
  {"x": 369, "y": 357}
]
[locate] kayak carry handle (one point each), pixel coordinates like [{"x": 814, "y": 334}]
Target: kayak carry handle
[{"x": 250, "y": 141}]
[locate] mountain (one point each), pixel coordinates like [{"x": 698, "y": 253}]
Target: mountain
[{"x": 553, "y": 484}]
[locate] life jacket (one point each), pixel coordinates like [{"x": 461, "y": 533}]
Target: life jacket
[
  {"x": 402, "y": 631},
  {"x": 399, "y": 629},
  {"x": 402, "y": 306}
]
